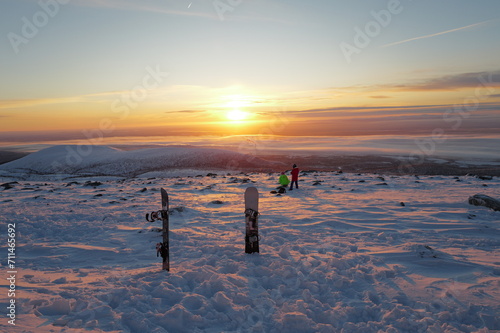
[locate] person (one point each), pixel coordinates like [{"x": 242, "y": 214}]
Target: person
[
  {"x": 295, "y": 177},
  {"x": 284, "y": 181}
]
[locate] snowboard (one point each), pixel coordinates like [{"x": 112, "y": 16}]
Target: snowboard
[
  {"x": 164, "y": 246},
  {"x": 251, "y": 220}
]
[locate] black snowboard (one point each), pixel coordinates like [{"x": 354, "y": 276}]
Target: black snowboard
[
  {"x": 165, "y": 250},
  {"x": 251, "y": 220}
]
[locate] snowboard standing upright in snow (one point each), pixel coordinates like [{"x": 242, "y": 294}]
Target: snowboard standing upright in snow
[
  {"x": 252, "y": 220},
  {"x": 162, "y": 248}
]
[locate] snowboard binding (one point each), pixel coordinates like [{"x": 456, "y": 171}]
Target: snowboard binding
[
  {"x": 155, "y": 216},
  {"x": 252, "y": 214},
  {"x": 161, "y": 250},
  {"x": 252, "y": 237}
]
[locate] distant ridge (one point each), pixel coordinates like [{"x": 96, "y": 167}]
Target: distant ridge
[
  {"x": 104, "y": 160},
  {"x": 9, "y": 156}
]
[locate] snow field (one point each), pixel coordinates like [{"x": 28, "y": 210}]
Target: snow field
[{"x": 341, "y": 256}]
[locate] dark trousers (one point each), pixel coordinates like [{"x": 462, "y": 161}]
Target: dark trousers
[{"x": 296, "y": 184}]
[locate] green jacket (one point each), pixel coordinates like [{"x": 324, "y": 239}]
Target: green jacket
[{"x": 284, "y": 180}]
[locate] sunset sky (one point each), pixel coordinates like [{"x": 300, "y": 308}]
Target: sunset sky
[{"x": 205, "y": 67}]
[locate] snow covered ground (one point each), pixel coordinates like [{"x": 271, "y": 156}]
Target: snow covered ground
[
  {"x": 353, "y": 253},
  {"x": 331, "y": 258}
]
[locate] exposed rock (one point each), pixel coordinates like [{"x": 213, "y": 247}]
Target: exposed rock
[
  {"x": 176, "y": 210},
  {"x": 90, "y": 183},
  {"x": 484, "y": 200},
  {"x": 234, "y": 180},
  {"x": 7, "y": 186}
]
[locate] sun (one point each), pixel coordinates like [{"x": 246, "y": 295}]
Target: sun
[{"x": 237, "y": 115}]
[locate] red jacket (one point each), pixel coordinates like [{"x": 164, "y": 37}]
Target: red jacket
[{"x": 295, "y": 174}]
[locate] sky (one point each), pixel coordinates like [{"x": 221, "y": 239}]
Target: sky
[{"x": 247, "y": 67}]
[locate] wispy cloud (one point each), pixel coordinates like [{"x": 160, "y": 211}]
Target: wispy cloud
[
  {"x": 438, "y": 33},
  {"x": 453, "y": 82},
  {"x": 27, "y": 103},
  {"x": 186, "y": 111},
  {"x": 204, "y": 10},
  {"x": 168, "y": 7},
  {"x": 380, "y": 96}
]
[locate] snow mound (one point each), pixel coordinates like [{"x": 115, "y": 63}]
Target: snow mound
[{"x": 107, "y": 161}]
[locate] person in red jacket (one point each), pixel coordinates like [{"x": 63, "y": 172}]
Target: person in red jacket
[{"x": 295, "y": 177}]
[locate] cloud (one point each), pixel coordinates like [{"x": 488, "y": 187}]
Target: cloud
[
  {"x": 186, "y": 111},
  {"x": 437, "y": 34},
  {"x": 454, "y": 82},
  {"x": 380, "y": 96},
  {"x": 167, "y": 7},
  {"x": 388, "y": 113},
  {"x": 28, "y": 103},
  {"x": 407, "y": 120}
]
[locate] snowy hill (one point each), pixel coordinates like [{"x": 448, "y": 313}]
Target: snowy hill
[{"x": 107, "y": 161}]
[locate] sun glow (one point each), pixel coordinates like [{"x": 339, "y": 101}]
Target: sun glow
[{"x": 237, "y": 115}]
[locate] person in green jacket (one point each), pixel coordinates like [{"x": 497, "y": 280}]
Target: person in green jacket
[{"x": 284, "y": 181}]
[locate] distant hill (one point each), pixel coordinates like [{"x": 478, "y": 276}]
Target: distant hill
[
  {"x": 107, "y": 161},
  {"x": 9, "y": 156},
  {"x": 104, "y": 160}
]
